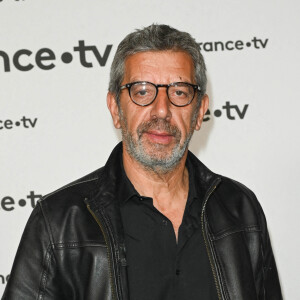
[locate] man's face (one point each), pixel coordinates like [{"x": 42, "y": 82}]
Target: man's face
[{"x": 157, "y": 135}]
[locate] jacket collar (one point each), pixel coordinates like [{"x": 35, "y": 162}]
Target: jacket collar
[{"x": 111, "y": 189}]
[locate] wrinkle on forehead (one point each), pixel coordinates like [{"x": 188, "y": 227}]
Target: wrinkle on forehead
[{"x": 159, "y": 67}]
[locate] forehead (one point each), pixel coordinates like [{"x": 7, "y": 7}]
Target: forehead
[{"x": 159, "y": 67}]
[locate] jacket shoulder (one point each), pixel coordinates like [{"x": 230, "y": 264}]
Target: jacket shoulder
[
  {"x": 74, "y": 190},
  {"x": 66, "y": 214},
  {"x": 231, "y": 203},
  {"x": 235, "y": 206}
]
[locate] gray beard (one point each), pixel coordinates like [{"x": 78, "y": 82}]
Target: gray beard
[{"x": 155, "y": 159}]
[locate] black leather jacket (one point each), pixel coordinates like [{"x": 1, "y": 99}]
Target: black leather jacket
[{"x": 73, "y": 244}]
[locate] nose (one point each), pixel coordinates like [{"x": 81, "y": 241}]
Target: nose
[{"x": 160, "y": 108}]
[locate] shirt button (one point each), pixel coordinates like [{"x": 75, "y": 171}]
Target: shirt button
[
  {"x": 177, "y": 272},
  {"x": 165, "y": 222}
]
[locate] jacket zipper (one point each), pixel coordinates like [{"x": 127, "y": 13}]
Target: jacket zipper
[
  {"x": 114, "y": 293},
  {"x": 209, "y": 252}
]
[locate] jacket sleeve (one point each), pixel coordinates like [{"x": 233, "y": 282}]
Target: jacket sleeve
[
  {"x": 34, "y": 262},
  {"x": 271, "y": 289}
]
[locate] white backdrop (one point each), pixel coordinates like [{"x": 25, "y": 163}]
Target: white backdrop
[{"x": 55, "y": 127}]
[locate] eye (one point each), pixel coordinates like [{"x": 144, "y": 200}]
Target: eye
[
  {"x": 179, "y": 93},
  {"x": 142, "y": 92}
]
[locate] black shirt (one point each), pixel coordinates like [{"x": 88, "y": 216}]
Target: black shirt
[{"x": 158, "y": 267}]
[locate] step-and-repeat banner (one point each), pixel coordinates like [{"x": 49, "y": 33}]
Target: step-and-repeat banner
[{"x": 55, "y": 58}]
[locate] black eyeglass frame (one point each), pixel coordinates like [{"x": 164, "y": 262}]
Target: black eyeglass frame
[{"x": 129, "y": 85}]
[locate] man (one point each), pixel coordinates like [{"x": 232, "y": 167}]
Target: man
[{"x": 154, "y": 222}]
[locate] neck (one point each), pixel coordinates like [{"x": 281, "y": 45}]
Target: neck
[{"x": 168, "y": 190}]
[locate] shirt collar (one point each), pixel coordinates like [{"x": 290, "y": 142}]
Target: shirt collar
[
  {"x": 192, "y": 188},
  {"x": 127, "y": 190}
]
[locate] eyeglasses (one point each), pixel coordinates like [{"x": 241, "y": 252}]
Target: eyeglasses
[{"x": 144, "y": 93}]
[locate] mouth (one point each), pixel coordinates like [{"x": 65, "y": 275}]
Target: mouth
[
  {"x": 160, "y": 137},
  {"x": 159, "y": 132}
]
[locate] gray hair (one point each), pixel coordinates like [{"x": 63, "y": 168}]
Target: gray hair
[{"x": 156, "y": 38}]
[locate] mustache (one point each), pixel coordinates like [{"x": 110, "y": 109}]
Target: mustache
[{"x": 159, "y": 124}]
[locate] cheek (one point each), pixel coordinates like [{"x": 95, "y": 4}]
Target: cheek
[
  {"x": 184, "y": 122},
  {"x": 133, "y": 117}
]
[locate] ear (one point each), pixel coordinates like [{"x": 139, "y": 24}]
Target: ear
[
  {"x": 202, "y": 110},
  {"x": 114, "y": 109}
]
